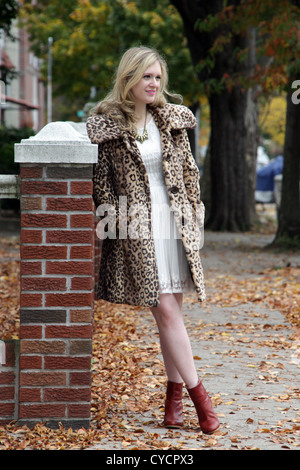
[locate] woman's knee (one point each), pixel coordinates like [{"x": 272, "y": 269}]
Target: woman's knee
[{"x": 168, "y": 311}]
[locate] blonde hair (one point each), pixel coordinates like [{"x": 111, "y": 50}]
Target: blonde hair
[{"x": 119, "y": 103}]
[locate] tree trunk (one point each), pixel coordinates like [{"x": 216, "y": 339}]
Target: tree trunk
[
  {"x": 229, "y": 205},
  {"x": 251, "y": 123},
  {"x": 288, "y": 233},
  {"x": 193, "y": 133},
  {"x": 229, "y": 209}
]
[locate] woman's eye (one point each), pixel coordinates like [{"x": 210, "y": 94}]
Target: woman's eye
[{"x": 147, "y": 77}]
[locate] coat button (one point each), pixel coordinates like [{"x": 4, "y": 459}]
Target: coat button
[{"x": 174, "y": 189}]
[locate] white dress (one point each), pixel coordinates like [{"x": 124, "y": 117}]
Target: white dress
[{"x": 173, "y": 272}]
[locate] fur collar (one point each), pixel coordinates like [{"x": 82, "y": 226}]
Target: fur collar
[{"x": 102, "y": 128}]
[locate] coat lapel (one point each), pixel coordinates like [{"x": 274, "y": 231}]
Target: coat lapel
[
  {"x": 168, "y": 119},
  {"x": 164, "y": 130}
]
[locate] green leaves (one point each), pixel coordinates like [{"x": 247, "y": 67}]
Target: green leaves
[
  {"x": 89, "y": 38},
  {"x": 9, "y": 11},
  {"x": 276, "y": 28}
]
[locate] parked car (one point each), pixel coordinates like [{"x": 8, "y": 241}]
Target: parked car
[{"x": 265, "y": 180}]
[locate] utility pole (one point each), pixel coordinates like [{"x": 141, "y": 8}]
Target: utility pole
[
  {"x": 49, "y": 83},
  {"x": 2, "y": 87}
]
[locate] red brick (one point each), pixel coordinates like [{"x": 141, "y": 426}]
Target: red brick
[
  {"x": 30, "y": 268},
  {"x": 79, "y": 347},
  {"x": 7, "y": 393},
  {"x": 7, "y": 378},
  {"x": 10, "y": 356},
  {"x": 69, "y": 204},
  {"x": 73, "y": 331},
  {"x": 67, "y": 394},
  {"x": 80, "y": 378},
  {"x": 7, "y": 409},
  {"x": 43, "y": 283},
  {"x": 42, "y": 411},
  {"x": 62, "y": 362},
  {"x": 30, "y": 331},
  {"x": 80, "y": 252},
  {"x": 70, "y": 267},
  {"x": 30, "y": 362},
  {"x": 79, "y": 411},
  {"x": 40, "y": 379},
  {"x": 69, "y": 236},
  {"x": 69, "y": 300},
  {"x": 31, "y": 236},
  {"x": 41, "y": 316},
  {"x": 43, "y": 220},
  {"x": 81, "y": 187},
  {"x": 31, "y": 300},
  {"x": 31, "y": 172},
  {"x": 44, "y": 187},
  {"x": 43, "y": 252},
  {"x": 82, "y": 220},
  {"x": 82, "y": 283},
  {"x": 30, "y": 394},
  {"x": 81, "y": 316},
  {"x": 71, "y": 173},
  {"x": 42, "y": 347},
  {"x": 31, "y": 203}
]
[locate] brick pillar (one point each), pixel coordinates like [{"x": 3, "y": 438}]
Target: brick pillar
[{"x": 57, "y": 276}]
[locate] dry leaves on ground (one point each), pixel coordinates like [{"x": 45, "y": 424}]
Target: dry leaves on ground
[
  {"x": 129, "y": 378},
  {"x": 277, "y": 288}
]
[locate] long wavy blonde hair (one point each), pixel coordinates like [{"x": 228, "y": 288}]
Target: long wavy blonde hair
[{"x": 119, "y": 103}]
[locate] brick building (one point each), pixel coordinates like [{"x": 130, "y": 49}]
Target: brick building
[{"x": 23, "y": 99}]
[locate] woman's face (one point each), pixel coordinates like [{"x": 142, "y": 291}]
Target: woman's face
[{"x": 144, "y": 92}]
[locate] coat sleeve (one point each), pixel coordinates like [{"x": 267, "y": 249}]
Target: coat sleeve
[
  {"x": 103, "y": 190},
  {"x": 191, "y": 179},
  {"x": 104, "y": 194}
]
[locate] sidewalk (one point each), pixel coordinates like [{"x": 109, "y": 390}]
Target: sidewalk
[
  {"x": 247, "y": 356},
  {"x": 246, "y": 350},
  {"x": 252, "y": 376}
]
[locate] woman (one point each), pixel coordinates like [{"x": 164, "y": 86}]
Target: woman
[{"x": 146, "y": 168}]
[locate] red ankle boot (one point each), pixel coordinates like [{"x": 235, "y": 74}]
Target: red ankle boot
[
  {"x": 173, "y": 406},
  {"x": 208, "y": 421}
]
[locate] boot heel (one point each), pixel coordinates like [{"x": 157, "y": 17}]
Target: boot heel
[{"x": 208, "y": 420}]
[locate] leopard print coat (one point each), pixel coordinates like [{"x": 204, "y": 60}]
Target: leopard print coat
[{"x": 128, "y": 271}]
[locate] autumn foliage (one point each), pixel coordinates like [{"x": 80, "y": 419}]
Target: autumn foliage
[
  {"x": 128, "y": 374},
  {"x": 276, "y": 28}
]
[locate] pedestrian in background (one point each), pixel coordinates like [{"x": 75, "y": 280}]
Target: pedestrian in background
[{"x": 145, "y": 164}]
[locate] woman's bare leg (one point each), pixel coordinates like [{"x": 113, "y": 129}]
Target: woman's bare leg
[{"x": 174, "y": 340}]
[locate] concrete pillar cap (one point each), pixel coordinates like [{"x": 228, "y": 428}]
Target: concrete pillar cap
[{"x": 58, "y": 142}]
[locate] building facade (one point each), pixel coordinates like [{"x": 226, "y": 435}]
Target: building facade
[{"x": 23, "y": 100}]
